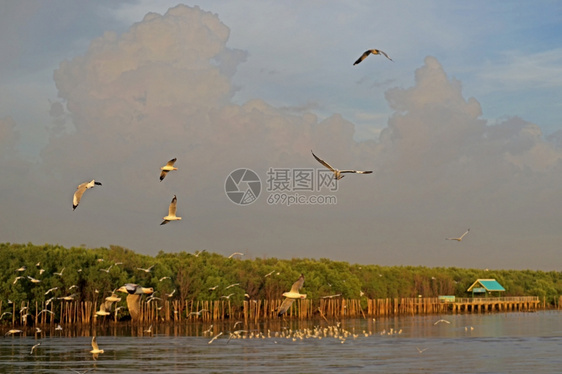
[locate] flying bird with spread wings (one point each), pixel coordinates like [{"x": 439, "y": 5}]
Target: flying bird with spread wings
[
  {"x": 172, "y": 212},
  {"x": 371, "y": 51},
  {"x": 459, "y": 239},
  {"x": 338, "y": 173},
  {"x": 291, "y": 296},
  {"x": 166, "y": 168},
  {"x": 80, "y": 191}
]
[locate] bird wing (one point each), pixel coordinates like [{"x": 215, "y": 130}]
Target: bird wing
[
  {"x": 385, "y": 55},
  {"x": 357, "y": 171},
  {"x": 285, "y": 306},
  {"x": 466, "y": 232},
  {"x": 163, "y": 175},
  {"x": 94, "y": 344},
  {"x": 171, "y": 162},
  {"x": 323, "y": 162},
  {"x": 78, "y": 195},
  {"x": 298, "y": 284},
  {"x": 173, "y": 207},
  {"x": 363, "y": 56}
]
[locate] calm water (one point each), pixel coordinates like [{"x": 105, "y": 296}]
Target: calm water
[{"x": 497, "y": 343}]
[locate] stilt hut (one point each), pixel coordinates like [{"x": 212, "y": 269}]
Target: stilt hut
[{"x": 486, "y": 287}]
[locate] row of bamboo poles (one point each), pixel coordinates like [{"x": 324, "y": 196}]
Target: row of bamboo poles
[{"x": 76, "y": 312}]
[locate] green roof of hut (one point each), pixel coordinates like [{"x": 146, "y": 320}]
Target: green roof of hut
[{"x": 487, "y": 284}]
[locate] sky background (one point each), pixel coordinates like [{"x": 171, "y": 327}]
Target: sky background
[{"x": 463, "y": 129}]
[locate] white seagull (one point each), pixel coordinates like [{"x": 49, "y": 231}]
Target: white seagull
[
  {"x": 215, "y": 337},
  {"x": 80, "y": 191},
  {"x": 338, "y": 173},
  {"x": 371, "y": 51},
  {"x": 166, "y": 168},
  {"x": 291, "y": 296},
  {"x": 442, "y": 320},
  {"x": 147, "y": 270},
  {"x": 33, "y": 348},
  {"x": 51, "y": 290},
  {"x": 236, "y": 254},
  {"x": 95, "y": 348},
  {"x": 172, "y": 212},
  {"x": 460, "y": 237}
]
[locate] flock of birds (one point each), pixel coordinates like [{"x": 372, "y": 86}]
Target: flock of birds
[{"x": 134, "y": 291}]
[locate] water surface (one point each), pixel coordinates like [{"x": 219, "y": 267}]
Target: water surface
[{"x": 470, "y": 343}]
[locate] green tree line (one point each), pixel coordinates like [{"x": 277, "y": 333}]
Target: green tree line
[{"x": 91, "y": 275}]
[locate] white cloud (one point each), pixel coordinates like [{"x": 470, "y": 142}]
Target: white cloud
[{"x": 165, "y": 89}]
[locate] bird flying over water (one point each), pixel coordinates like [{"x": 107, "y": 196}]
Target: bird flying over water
[
  {"x": 338, "y": 173},
  {"x": 291, "y": 296},
  {"x": 95, "y": 348},
  {"x": 172, "y": 212},
  {"x": 371, "y": 51},
  {"x": 459, "y": 238},
  {"x": 80, "y": 191},
  {"x": 166, "y": 168},
  {"x": 33, "y": 348}
]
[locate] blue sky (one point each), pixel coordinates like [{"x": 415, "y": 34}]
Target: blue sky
[{"x": 473, "y": 85}]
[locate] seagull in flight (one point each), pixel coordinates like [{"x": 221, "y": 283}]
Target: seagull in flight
[
  {"x": 33, "y": 348},
  {"x": 215, "y": 337},
  {"x": 95, "y": 348},
  {"x": 199, "y": 312},
  {"x": 371, "y": 51},
  {"x": 291, "y": 296},
  {"x": 421, "y": 350},
  {"x": 108, "y": 269},
  {"x": 236, "y": 254},
  {"x": 232, "y": 285},
  {"x": 33, "y": 280},
  {"x": 166, "y": 168},
  {"x": 442, "y": 321},
  {"x": 460, "y": 237},
  {"x": 338, "y": 173},
  {"x": 51, "y": 290},
  {"x": 147, "y": 270},
  {"x": 172, "y": 212},
  {"x": 59, "y": 274},
  {"x": 80, "y": 191}
]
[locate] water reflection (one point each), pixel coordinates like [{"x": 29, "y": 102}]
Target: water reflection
[{"x": 514, "y": 342}]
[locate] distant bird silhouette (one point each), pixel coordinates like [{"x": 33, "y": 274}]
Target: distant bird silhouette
[
  {"x": 291, "y": 296},
  {"x": 459, "y": 238},
  {"x": 368, "y": 52},
  {"x": 442, "y": 321},
  {"x": 80, "y": 191},
  {"x": 338, "y": 173},
  {"x": 33, "y": 348},
  {"x": 236, "y": 254},
  {"x": 172, "y": 212},
  {"x": 166, "y": 168}
]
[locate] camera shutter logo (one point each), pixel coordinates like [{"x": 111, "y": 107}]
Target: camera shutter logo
[{"x": 242, "y": 186}]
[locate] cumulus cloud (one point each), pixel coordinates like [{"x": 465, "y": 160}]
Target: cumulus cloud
[{"x": 164, "y": 89}]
